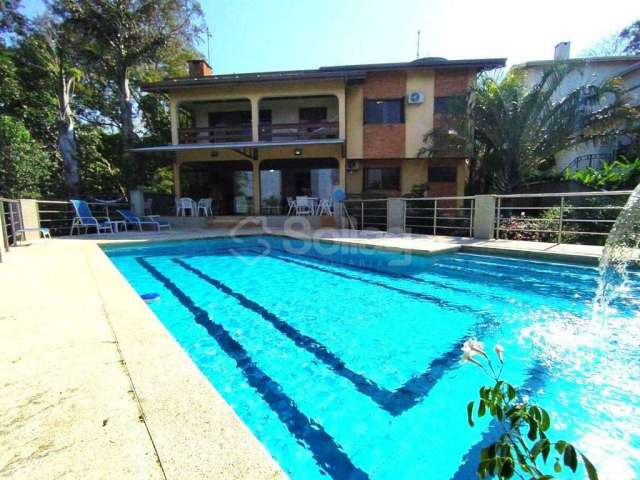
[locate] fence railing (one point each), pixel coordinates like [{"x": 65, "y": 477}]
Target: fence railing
[
  {"x": 452, "y": 216},
  {"x": 585, "y": 217},
  {"x": 57, "y": 215},
  {"x": 10, "y": 220},
  {"x": 368, "y": 214}
]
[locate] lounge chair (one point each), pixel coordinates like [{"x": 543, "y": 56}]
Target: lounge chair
[
  {"x": 131, "y": 218},
  {"x": 84, "y": 218}
]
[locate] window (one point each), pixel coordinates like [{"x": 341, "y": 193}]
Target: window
[
  {"x": 227, "y": 119},
  {"x": 312, "y": 114},
  {"x": 442, "y": 174},
  {"x": 453, "y": 105},
  {"x": 384, "y": 111},
  {"x": 382, "y": 178}
]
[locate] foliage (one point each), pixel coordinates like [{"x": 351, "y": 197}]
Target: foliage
[
  {"x": 620, "y": 174},
  {"x": 25, "y": 167},
  {"x": 631, "y": 36},
  {"x": 523, "y": 449},
  {"x": 542, "y": 228},
  {"x": 514, "y": 132},
  {"x": 36, "y": 54}
]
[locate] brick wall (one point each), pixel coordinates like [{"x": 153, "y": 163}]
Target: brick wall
[
  {"x": 452, "y": 82},
  {"x": 384, "y": 141},
  {"x": 385, "y": 85}
]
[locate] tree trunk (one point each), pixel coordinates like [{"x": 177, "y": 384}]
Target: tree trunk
[
  {"x": 126, "y": 110},
  {"x": 127, "y": 132},
  {"x": 66, "y": 134}
]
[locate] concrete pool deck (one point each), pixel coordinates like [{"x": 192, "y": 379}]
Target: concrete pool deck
[{"x": 93, "y": 386}]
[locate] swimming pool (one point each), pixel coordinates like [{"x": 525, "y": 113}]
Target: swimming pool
[{"x": 345, "y": 361}]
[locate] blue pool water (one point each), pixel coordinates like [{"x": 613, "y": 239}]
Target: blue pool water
[{"x": 345, "y": 362}]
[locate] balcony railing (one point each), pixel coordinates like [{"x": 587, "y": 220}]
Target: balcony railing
[
  {"x": 235, "y": 133},
  {"x": 298, "y": 131}
]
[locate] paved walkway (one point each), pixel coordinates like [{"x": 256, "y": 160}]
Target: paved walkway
[{"x": 93, "y": 386}]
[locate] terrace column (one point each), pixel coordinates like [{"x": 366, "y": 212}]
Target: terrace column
[
  {"x": 176, "y": 179},
  {"x": 255, "y": 119},
  {"x": 256, "y": 187},
  {"x": 484, "y": 217},
  {"x": 342, "y": 116},
  {"x": 173, "y": 112}
]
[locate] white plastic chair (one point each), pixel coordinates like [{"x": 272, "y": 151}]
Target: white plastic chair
[
  {"x": 292, "y": 206},
  {"x": 204, "y": 206},
  {"x": 324, "y": 207},
  {"x": 304, "y": 206},
  {"x": 186, "y": 203}
]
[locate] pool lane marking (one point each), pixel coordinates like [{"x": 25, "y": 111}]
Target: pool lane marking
[
  {"x": 387, "y": 273},
  {"x": 326, "y": 452},
  {"x": 537, "y": 376},
  {"x": 394, "y": 402}
]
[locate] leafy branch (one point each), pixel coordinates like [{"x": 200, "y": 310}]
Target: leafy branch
[{"x": 523, "y": 441}]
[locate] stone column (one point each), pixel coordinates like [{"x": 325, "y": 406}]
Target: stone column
[
  {"x": 255, "y": 119},
  {"x": 176, "y": 179},
  {"x": 395, "y": 215},
  {"x": 256, "y": 187},
  {"x": 484, "y": 217},
  {"x": 137, "y": 201},
  {"x": 30, "y": 218}
]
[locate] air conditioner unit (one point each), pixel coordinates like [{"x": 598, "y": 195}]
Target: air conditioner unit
[
  {"x": 353, "y": 165},
  {"x": 415, "y": 98}
]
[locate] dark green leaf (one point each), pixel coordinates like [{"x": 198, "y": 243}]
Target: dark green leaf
[
  {"x": 557, "y": 468},
  {"x": 539, "y": 447},
  {"x": 560, "y": 446},
  {"x": 470, "y": 414},
  {"x": 545, "y": 421},
  {"x": 533, "y": 431},
  {"x": 570, "y": 458},
  {"x": 591, "y": 470},
  {"x": 511, "y": 392},
  {"x": 481, "y": 408},
  {"x": 507, "y": 468}
]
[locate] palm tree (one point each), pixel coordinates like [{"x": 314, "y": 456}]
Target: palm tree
[{"x": 512, "y": 133}]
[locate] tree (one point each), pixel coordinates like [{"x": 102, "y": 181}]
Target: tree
[
  {"x": 515, "y": 132},
  {"x": 631, "y": 36},
  {"x": 53, "y": 52},
  {"x": 24, "y": 164},
  {"x": 122, "y": 35},
  {"x": 11, "y": 20}
]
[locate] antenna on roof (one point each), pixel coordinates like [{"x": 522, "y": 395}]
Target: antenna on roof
[
  {"x": 209, "y": 36},
  {"x": 418, "y": 49}
]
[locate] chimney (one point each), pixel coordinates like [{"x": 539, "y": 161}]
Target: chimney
[
  {"x": 199, "y": 68},
  {"x": 562, "y": 51}
]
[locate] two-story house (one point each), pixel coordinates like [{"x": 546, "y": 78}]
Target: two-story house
[{"x": 252, "y": 140}]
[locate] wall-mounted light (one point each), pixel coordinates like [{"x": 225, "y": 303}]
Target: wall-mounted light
[{"x": 297, "y": 152}]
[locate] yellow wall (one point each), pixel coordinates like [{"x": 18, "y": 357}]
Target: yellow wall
[
  {"x": 355, "y": 121},
  {"x": 418, "y": 118}
]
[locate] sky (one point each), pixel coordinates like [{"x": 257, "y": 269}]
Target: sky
[{"x": 267, "y": 35}]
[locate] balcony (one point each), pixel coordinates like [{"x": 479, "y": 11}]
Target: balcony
[
  {"x": 272, "y": 132},
  {"x": 226, "y": 134},
  {"x": 281, "y": 119}
]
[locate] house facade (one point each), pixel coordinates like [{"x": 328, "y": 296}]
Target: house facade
[
  {"x": 250, "y": 141},
  {"x": 585, "y": 72}
]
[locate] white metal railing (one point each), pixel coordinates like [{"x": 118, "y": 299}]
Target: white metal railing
[
  {"x": 10, "y": 220},
  {"x": 558, "y": 217},
  {"x": 368, "y": 213},
  {"x": 439, "y": 215},
  {"x": 57, "y": 215}
]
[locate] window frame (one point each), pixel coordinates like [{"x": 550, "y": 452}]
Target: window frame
[
  {"x": 400, "y": 100},
  {"x": 365, "y": 177},
  {"x": 442, "y": 168}
]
